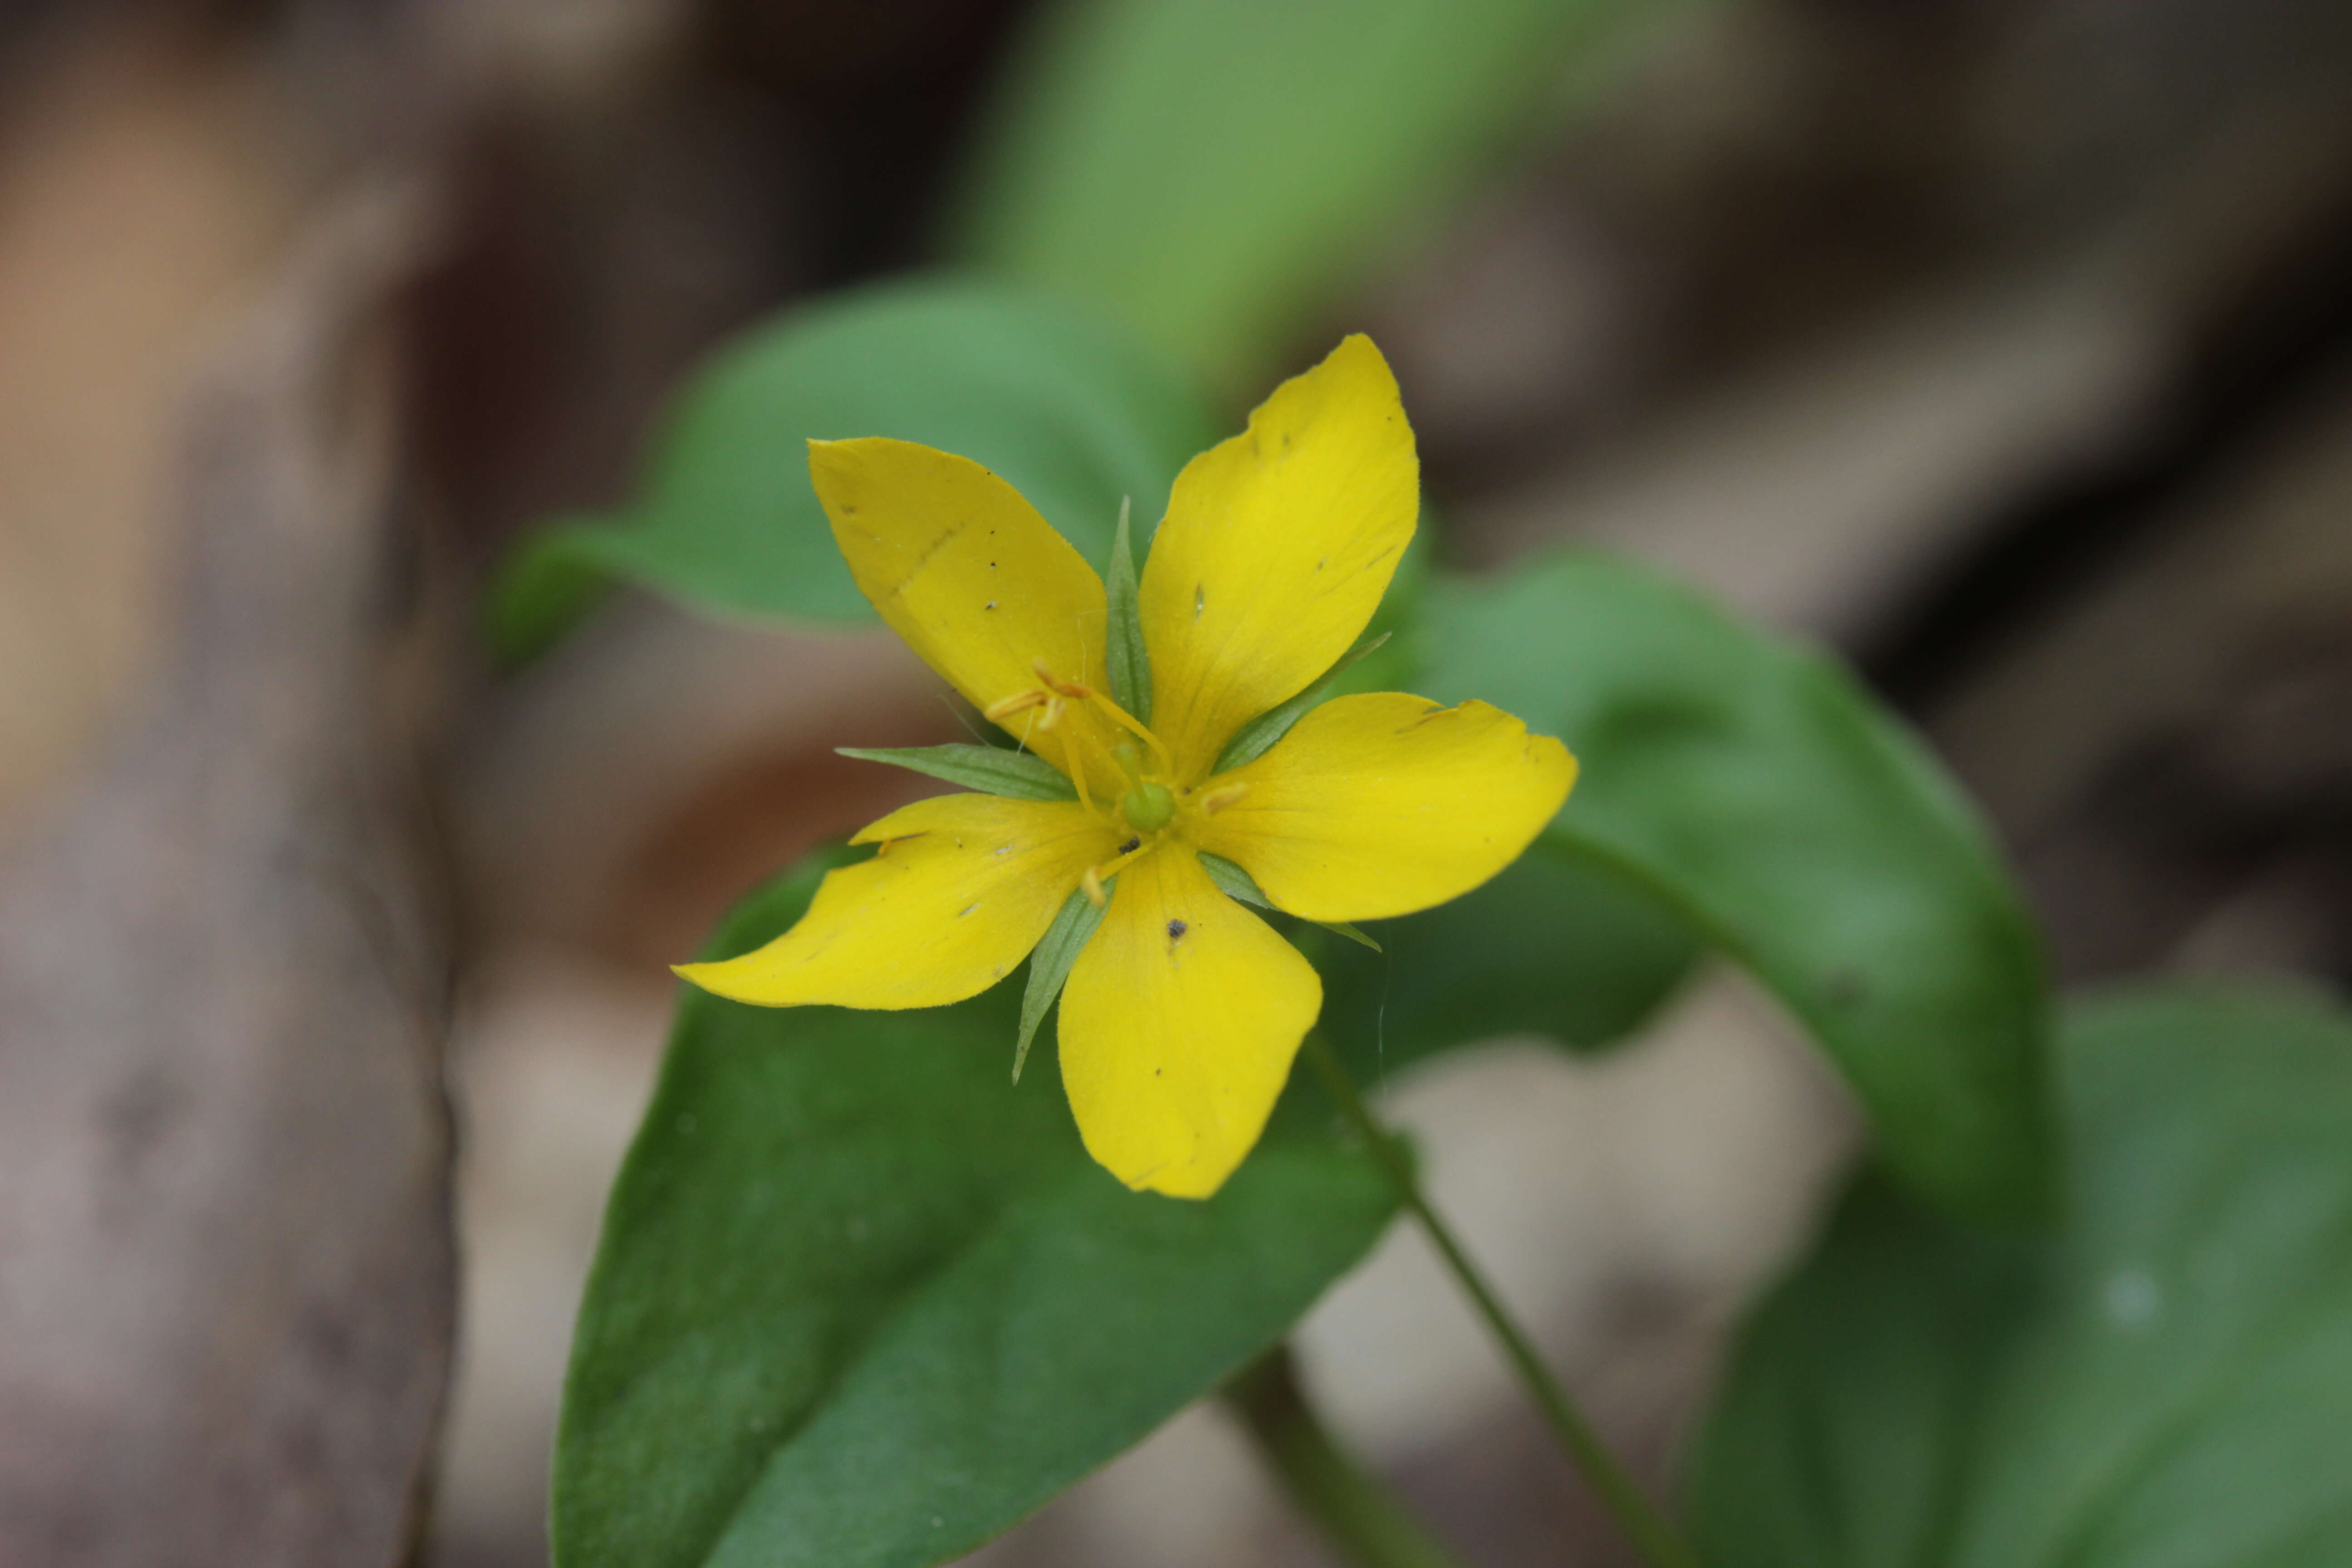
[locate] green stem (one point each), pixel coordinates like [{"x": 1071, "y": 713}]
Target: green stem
[
  {"x": 1649, "y": 1530},
  {"x": 1353, "y": 1509}
]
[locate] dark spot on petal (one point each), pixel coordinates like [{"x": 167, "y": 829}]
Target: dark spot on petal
[
  {"x": 1176, "y": 929},
  {"x": 1131, "y": 846},
  {"x": 990, "y": 605}
]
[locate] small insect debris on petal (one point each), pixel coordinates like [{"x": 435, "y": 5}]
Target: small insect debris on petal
[{"x": 1176, "y": 929}]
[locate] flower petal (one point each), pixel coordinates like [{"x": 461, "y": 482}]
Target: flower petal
[
  {"x": 963, "y": 887},
  {"x": 1384, "y": 804},
  {"x": 969, "y": 574},
  {"x": 1178, "y": 1027},
  {"x": 1275, "y": 551}
]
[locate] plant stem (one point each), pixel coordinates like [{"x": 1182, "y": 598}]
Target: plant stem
[
  {"x": 1355, "y": 1511},
  {"x": 1649, "y": 1530}
]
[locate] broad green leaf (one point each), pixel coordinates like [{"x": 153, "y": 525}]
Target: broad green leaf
[
  {"x": 1067, "y": 409},
  {"x": 2166, "y": 1383},
  {"x": 1215, "y": 171},
  {"x": 992, "y": 770},
  {"x": 1554, "y": 946},
  {"x": 1750, "y": 785},
  {"x": 860, "y": 1302}
]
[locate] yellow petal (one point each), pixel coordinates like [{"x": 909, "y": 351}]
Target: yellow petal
[
  {"x": 964, "y": 886},
  {"x": 1381, "y": 804},
  {"x": 968, "y": 573},
  {"x": 1178, "y": 1027},
  {"x": 1277, "y": 549}
]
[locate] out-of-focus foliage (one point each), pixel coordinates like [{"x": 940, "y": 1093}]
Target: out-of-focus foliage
[
  {"x": 1215, "y": 170},
  {"x": 1799, "y": 829},
  {"x": 2163, "y": 1386},
  {"x": 860, "y": 1300},
  {"x": 1067, "y": 409}
]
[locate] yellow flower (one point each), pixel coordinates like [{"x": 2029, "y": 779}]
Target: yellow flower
[{"x": 1183, "y": 1009}]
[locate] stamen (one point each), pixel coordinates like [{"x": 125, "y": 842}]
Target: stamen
[
  {"x": 1091, "y": 880},
  {"x": 1078, "y": 747},
  {"x": 1004, "y": 708},
  {"x": 1078, "y": 692},
  {"x": 1054, "y": 697},
  {"x": 1074, "y": 762},
  {"x": 1121, "y": 716},
  {"x": 1218, "y": 799},
  {"x": 1070, "y": 689}
]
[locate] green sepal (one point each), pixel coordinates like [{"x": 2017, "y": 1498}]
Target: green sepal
[
  {"x": 1237, "y": 883},
  {"x": 1050, "y": 960},
  {"x": 992, "y": 770},
  {"x": 1124, "y": 658},
  {"x": 1255, "y": 738}
]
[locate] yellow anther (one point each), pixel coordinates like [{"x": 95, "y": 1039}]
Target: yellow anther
[
  {"x": 1004, "y": 708},
  {"x": 1070, "y": 689},
  {"x": 1218, "y": 799},
  {"x": 1092, "y": 883}
]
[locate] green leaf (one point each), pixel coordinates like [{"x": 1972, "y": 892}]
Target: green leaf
[
  {"x": 992, "y": 770},
  {"x": 1129, "y": 666},
  {"x": 1050, "y": 960},
  {"x": 1257, "y": 737},
  {"x": 1554, "y": 946},
  {"x": 544, "y": 588},
  {"x": 1216, "y": 170},
  {"x": 1068, "y": 410},
  {"x": 2164, "y": 1384},
  {"x": 859, "y": 1303},
  {"x": 1749, "y": 784}
]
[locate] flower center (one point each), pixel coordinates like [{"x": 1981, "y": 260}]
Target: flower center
[
  {"x": 1153, "y": 799},
  {"x": 1149, "y": 806}
]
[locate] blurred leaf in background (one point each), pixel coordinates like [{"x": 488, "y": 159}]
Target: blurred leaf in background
[
  {"x": 1216, "y": 170},
  {"x": 2164, "y": 1385},
  {"x": 860, "y": 1300},
  {"x": 1072, "y": 413},
  {"x": 1752, "y": 786}
]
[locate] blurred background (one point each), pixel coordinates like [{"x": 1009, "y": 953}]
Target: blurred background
[{"x": 2005, "y": 345}]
